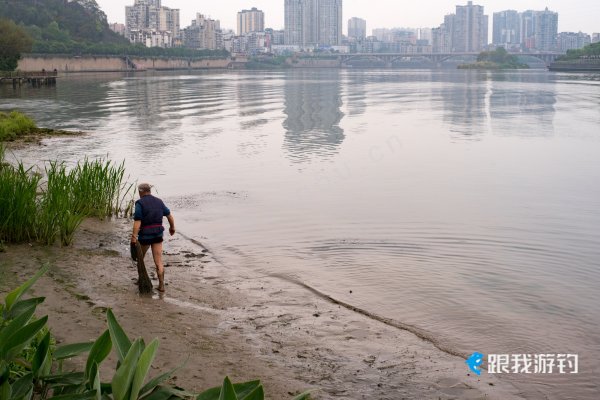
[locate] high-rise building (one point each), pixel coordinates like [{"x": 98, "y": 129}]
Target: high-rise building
[
  {"x": 148, "y": 18},
  {"x": 465, "y": 31},
  {"x": 545, "y": 30},
  {"x": 313, "y": 22},
  {"x": 527, "y": 33},
  {"x": 330, "y": 22},
  {"x": 595, "y": 37},
  {"x": 357, "y": 28},
  {"x": 507, "y": 28},
  {"x": 471, "y": 29},
  {"x": 293, "y": 32},
  {"x": 252, "y": 20}
]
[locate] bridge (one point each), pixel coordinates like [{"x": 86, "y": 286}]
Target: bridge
[{"x": 435, "y": 58}]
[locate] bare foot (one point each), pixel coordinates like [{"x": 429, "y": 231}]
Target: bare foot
[{"x": 161, "y": 289}]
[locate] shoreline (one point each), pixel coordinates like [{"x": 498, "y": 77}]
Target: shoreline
[{"x": 234, "y": 321}]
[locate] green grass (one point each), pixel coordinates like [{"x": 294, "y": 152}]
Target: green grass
[
  {"x": 52, "y": 208},
  {"x": 14, "y": 125}
]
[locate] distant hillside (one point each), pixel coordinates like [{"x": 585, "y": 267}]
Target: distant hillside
[{"x": 60, "y": 21}]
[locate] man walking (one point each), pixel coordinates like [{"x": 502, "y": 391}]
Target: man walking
[{"x": 148, "y": 227}]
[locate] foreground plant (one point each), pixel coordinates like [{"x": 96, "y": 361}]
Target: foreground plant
[{"x": 32, "y": 368}]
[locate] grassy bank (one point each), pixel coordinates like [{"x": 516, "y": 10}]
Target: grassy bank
[
  {"x": 18, "y": 126},
  {"x": 50, "y": 207}
]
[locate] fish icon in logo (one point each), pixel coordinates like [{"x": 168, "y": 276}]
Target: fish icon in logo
[{"x": 474, "y": 361}]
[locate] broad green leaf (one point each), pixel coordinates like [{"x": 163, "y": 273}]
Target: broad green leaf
[
  {"x": 14, "y": 326},
  {"x": 97, "y": 385},
  {"x": 4, "y": 372},
  {"x": 92, "y": 376},
  {"x": 241, "y": 390},
  {"x": 18, "y": 340},
  {"x": 142, "y": 368},
  {"x": 89, "y": 395},
  {"x": 158, "y": 380},
  {"x": 121, "y": 382},
  {"x": 304, "y": 396},
  {"x": 99, "y": 351},
  {"x": 22, "y": 387},
  {"x": 16, "y": 294},
  {"x": 41, "y": 357},
  {"x": 118, "y": 336},
  {"x": 256, "y": 394},
  {"x": 227, "y": 390},
  {"x": 161, "y": 393},
  {"x": 5, "y": 391},
  {"x": 23, "y": 305},
  {"x": 72, "y": 350},
  {"x": 210, "y": 394},
  {"x": 65, "y": 379}
]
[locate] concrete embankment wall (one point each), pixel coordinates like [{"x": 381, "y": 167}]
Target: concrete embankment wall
[{"x": 111, "y": 64}]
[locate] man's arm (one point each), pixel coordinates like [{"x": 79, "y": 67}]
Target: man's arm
[
  {"x": 171, "y": 224},
  {"x": 136, "y": 229}
]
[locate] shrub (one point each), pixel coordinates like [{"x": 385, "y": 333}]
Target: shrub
[{"x": 15, "y": 124}]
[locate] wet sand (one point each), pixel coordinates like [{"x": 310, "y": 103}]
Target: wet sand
[{"x": 230, "y": 320}]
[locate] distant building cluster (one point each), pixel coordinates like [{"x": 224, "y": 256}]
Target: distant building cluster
[
  {"x": 203, "y": 33},
  {"x": 528, "y": 31},
  {"x": 316, "y": 25},
  {"x": 151, "y": 24}
]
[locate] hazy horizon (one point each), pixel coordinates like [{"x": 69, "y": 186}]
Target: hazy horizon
[{"x": 574, "y": 16}]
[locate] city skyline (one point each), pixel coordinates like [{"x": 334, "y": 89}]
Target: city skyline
[{"x": 575, "y": 15}]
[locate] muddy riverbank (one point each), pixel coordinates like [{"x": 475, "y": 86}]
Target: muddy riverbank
[{"x": 232, "y": 321}]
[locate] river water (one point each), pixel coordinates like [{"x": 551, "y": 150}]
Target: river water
[{"x": 463, "y": 203}]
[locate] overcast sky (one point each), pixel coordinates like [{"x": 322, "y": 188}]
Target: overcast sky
[{"x": 573, "y": 15}]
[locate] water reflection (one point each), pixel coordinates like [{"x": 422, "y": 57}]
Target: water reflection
[
  {"x": 523, "y": 106},
  {"x": 313, "y": 109},
  {"x": 502, "y": 103},
  {"x": 464, "y": 105},
  {"x": 357, "y": 94}
]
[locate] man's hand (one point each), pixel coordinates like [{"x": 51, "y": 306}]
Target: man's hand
[
  {"x": 172, "y": 230},
  {"x": 133, "y": 239}
]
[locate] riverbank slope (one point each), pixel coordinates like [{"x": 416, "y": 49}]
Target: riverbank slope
[{"x": 235, "y": 322}]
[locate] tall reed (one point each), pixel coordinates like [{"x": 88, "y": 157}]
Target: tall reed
[
  {"x": 53, "y": 209},
  {"x": 18, "y": 199}
]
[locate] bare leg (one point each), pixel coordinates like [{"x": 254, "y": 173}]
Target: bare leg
[
  {"x": 145, "y": 248},
  {"x": 160, "y": 271}
]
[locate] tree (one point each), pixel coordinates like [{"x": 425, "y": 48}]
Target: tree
[{"x": 14, "y": 40}]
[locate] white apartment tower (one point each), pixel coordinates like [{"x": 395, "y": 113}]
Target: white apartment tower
[{"x": 252, "y": 20}]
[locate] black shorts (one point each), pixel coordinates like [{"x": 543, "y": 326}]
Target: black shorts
[{"x": 148, "y": 242}]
